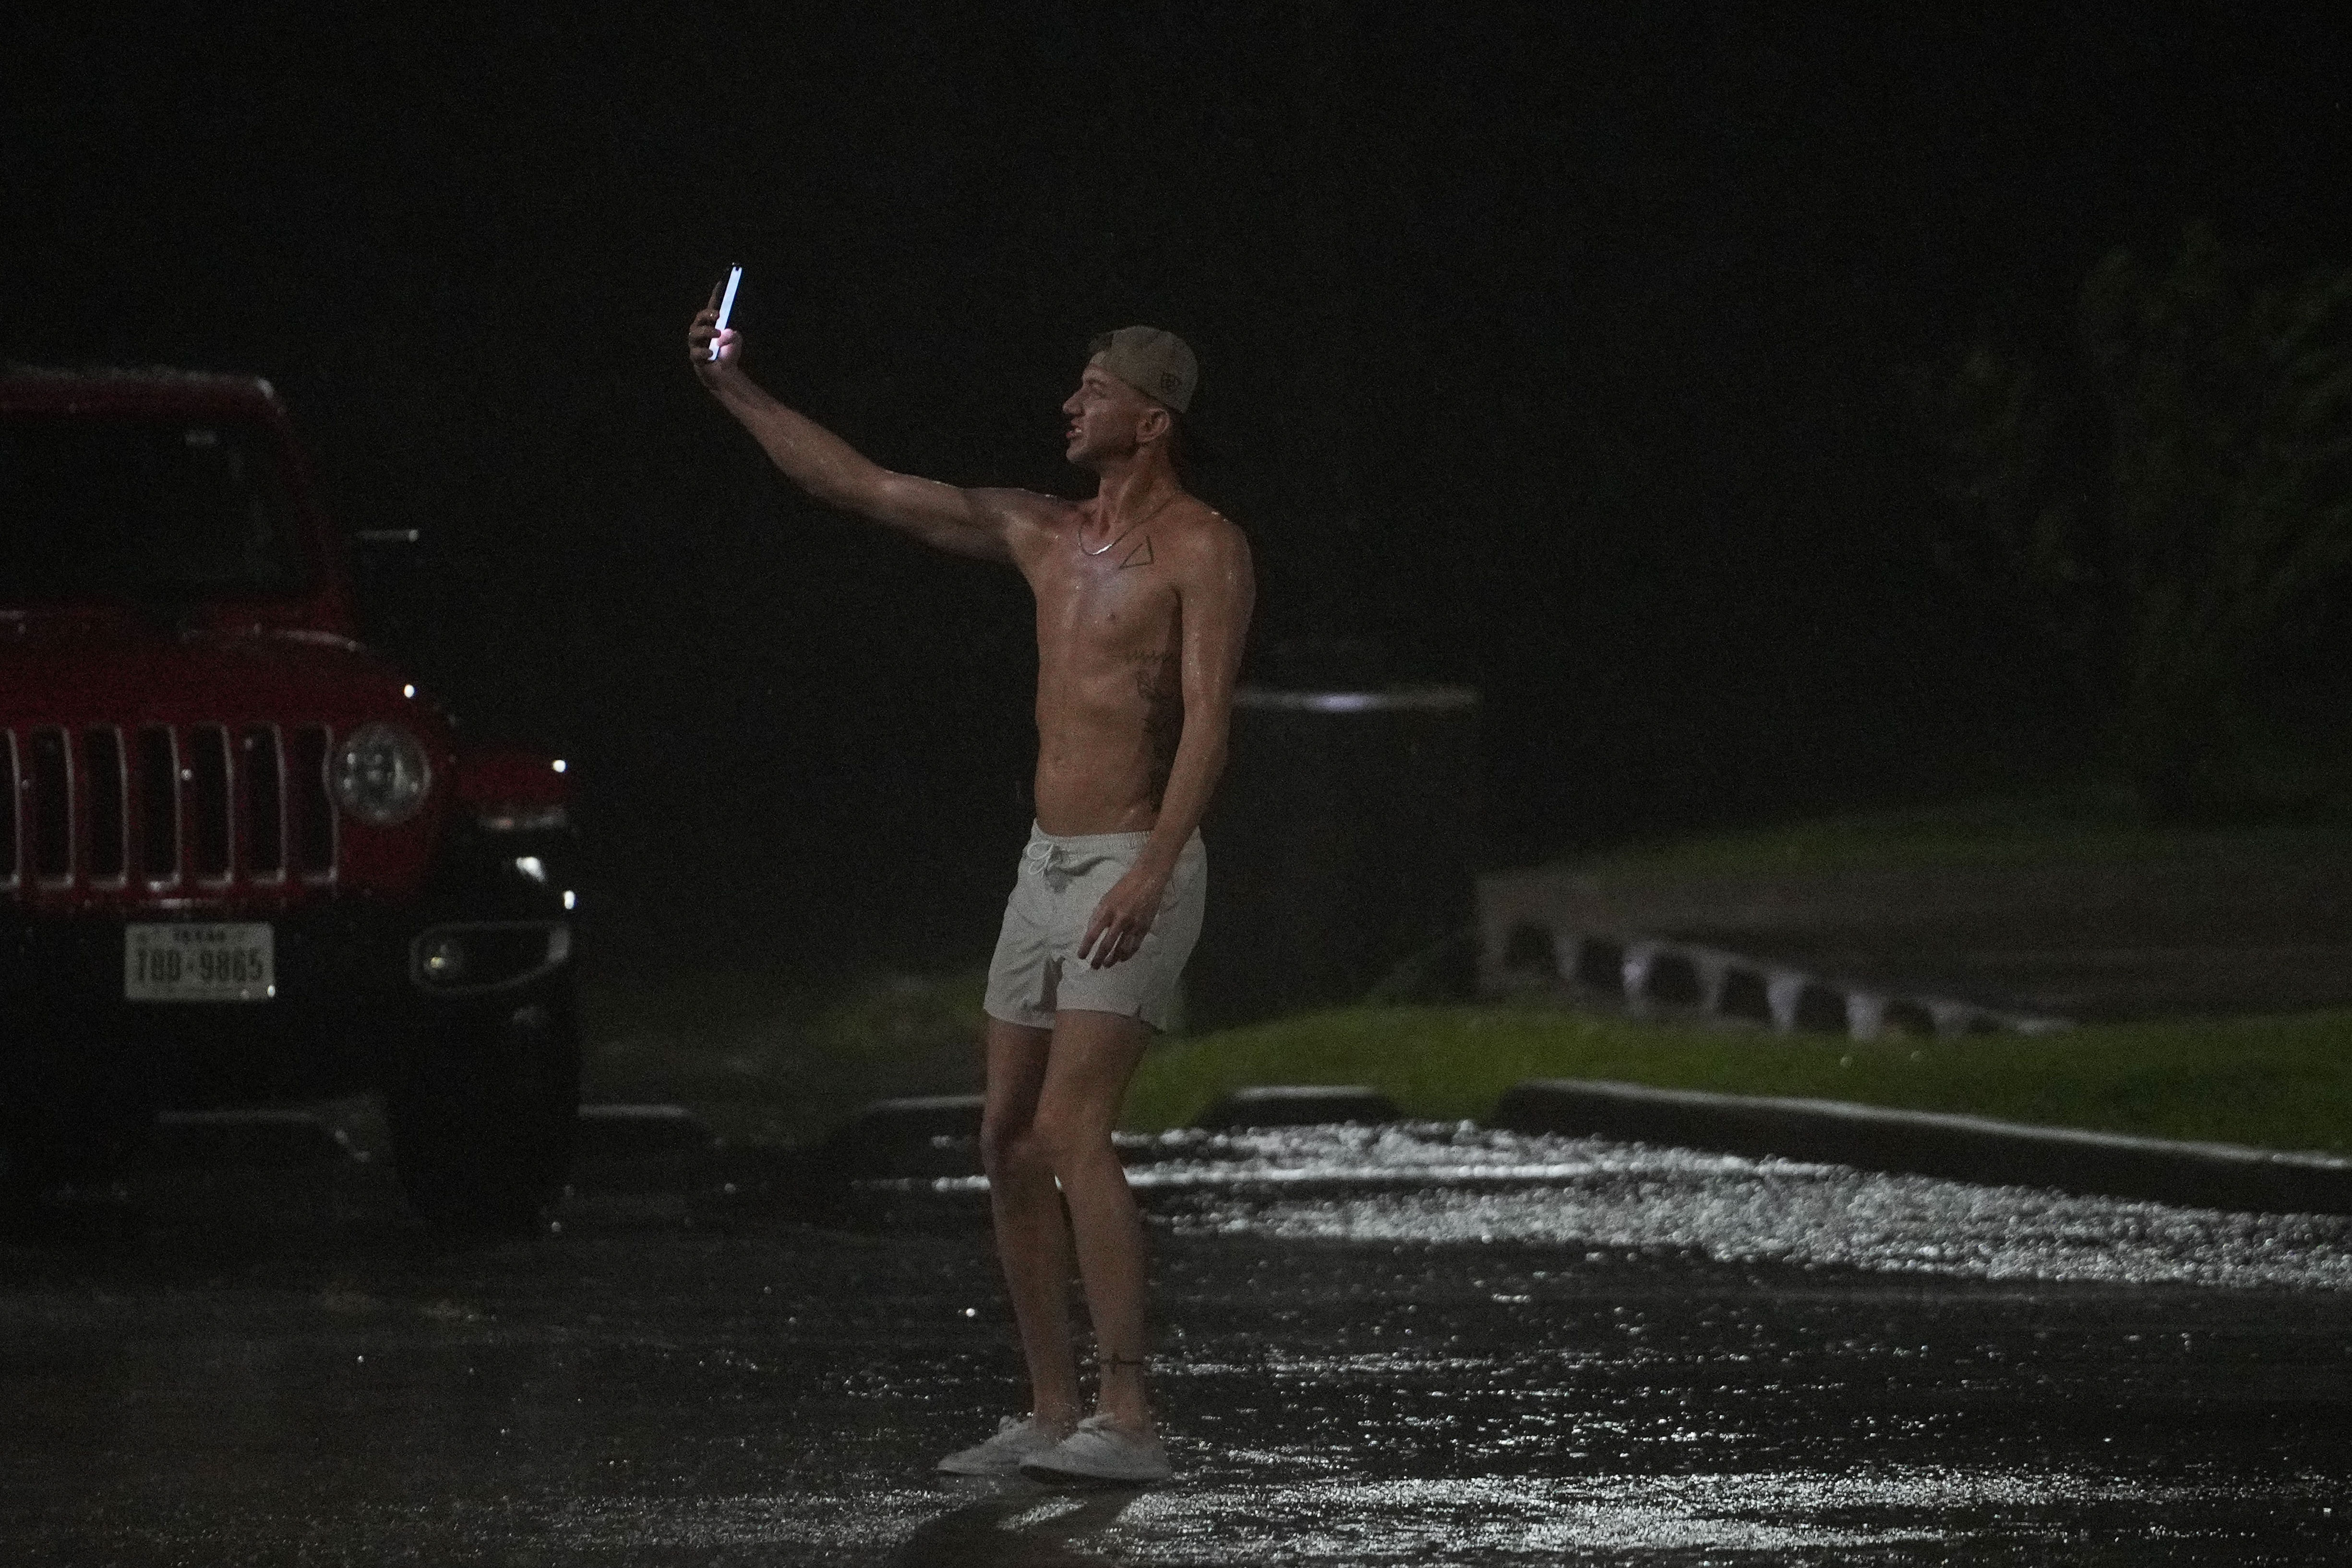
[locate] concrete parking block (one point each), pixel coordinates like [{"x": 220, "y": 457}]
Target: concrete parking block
[
  {"x": 243, "y": 1138},
  {"x": 1298, "y": 1105},
  {"x": 614, "y": 1133}
]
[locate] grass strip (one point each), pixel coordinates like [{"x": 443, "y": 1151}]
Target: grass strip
[{"x": 2280, "y": 1082}]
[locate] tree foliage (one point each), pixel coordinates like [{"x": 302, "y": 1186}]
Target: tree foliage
[{"x": 2170, "y": 505}]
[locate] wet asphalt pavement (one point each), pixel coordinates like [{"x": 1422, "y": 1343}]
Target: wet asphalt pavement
[{"x": 1424, "y": 1346}]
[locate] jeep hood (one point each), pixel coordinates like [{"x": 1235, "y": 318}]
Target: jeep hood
[{"x": 121, "y": 669}]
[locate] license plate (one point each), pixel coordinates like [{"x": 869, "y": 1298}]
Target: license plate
[{"x": 199, "y": 963}]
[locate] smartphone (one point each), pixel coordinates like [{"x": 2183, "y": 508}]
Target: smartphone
[{"x": 726, "y": 304}]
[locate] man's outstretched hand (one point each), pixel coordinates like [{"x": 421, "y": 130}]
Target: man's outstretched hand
[
  {"x": 699, "y": 334},
  {"x": 1123, "y": 919}
]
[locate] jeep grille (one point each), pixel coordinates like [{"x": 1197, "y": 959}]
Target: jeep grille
[{"x": 193, "y": 807}]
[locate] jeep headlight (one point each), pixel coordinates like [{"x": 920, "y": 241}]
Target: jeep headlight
[{"x": 381, "y": 775}]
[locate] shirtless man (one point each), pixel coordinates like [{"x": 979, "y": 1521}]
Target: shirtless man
[{"x": 1143, "y": 597}]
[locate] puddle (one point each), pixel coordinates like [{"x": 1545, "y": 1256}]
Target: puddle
[
  {"x": 1446, "y": 1183},
  {"x": 1894, "y": 1515}
]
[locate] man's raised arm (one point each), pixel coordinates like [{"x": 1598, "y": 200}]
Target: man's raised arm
[{"x": 981, "y": 523}]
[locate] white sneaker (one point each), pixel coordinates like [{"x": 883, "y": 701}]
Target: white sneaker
[
  {"x": 1099, "y": 1451},
  {"x": 1017, "y": 1438}
]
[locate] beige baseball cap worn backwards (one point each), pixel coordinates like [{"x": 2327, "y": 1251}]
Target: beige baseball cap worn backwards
[{"x": 1156, "y": 364}]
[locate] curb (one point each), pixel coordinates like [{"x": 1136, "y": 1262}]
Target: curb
[{"x": 1935, "y": 1143}]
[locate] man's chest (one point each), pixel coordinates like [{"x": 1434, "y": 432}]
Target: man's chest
[{"x": 1120, "y": 602}]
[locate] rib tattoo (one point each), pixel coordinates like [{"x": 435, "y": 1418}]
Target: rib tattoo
[{"x": 1157, "y": 681}]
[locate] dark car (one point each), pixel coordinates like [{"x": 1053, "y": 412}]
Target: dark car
[{"x": 243, "y": 857}]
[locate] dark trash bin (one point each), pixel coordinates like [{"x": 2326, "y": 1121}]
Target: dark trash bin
[{"x": 1342, "y": 846}]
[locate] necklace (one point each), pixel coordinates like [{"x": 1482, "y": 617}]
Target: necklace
[{"x": 1130, "y": 528}]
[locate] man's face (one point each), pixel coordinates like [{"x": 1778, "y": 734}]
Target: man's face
[{"x": 1106, "y": 418}]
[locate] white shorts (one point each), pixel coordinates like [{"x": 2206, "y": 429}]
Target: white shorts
[{"x": 1037, "y": 970}]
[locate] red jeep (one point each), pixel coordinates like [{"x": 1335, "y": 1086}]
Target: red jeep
[{"x": 243, "y": 858}]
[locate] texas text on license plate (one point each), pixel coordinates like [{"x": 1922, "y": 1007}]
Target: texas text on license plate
[{"x": 199, "y": 963}]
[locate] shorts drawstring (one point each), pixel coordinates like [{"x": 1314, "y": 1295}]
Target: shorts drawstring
[{"x": 1048, "y": 856}]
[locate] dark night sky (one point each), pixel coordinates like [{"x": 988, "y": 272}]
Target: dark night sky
[{"x": 1556, "y": 348}]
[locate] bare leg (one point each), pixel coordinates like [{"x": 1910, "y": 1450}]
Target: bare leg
[
  {"x": 1093, "y": 1055},
  {"x": 1031, "y": 1243}
]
